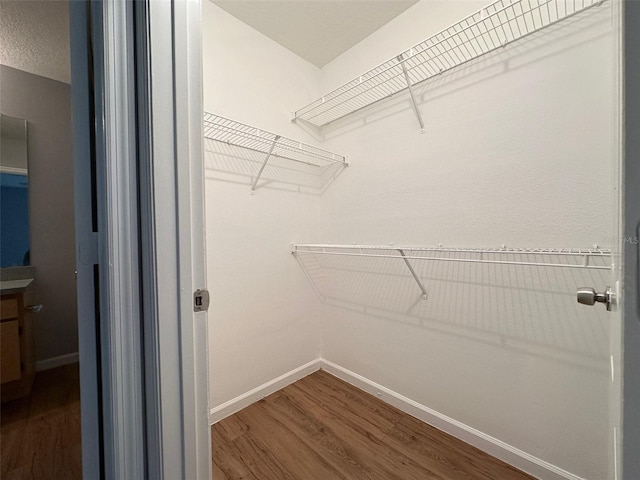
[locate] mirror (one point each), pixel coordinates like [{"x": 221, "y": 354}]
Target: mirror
[{"x": 14, "y": 193}]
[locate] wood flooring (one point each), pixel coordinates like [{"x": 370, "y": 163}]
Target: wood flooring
[
  {"x": 321, "y": 428},
  {"x": 40, "y": 434}
]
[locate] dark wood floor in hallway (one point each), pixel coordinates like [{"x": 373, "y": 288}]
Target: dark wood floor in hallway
[
  {"x": 321, "y": 428},
  {"x": 40, "y": 434}
]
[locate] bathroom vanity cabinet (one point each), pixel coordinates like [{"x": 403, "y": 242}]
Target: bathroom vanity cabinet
[{"x": 17, "y": 366}]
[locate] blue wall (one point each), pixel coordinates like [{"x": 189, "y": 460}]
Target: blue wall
[{"x": 14, "y": 220}]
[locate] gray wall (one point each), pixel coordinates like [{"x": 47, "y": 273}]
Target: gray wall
[{"x": 46, "y": 106}]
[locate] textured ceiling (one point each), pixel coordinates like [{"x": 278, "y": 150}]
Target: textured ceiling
[
  {"x": 34, "y": 37},
  {"x": 316, "y": 30}
]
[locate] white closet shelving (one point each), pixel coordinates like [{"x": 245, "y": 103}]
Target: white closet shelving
[
  {"x": 590, "y": 258},
  {"x": 231, "y": 132},
  {"x": 488, "y": 29}
]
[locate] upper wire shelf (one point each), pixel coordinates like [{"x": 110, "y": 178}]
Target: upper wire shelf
[
  {"x": 238, "y": 134},
  {"x": 491, "y": 27}
]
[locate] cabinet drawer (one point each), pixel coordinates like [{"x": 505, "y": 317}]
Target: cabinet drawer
[
  {"x": 10, "y": 353},
  {"x": 8, "y": 308}
]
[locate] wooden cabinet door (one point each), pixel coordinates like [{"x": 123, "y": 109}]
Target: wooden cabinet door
[{"x": 9, "y": 351}]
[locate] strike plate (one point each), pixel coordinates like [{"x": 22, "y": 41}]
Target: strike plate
[{"x": 201, "y": 300}]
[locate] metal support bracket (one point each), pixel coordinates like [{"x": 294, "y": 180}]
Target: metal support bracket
[
  {"x": 414, "y": 274},
  {"x": 413, "y": 97},
  {"x": 264, "y": 164}
]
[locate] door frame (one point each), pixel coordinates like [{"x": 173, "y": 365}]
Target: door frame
[
  {"x": 176, "y": 194},
  {"x": 108, "y": 244},
  {"x": 140, "y": 238},
  {"x": 188, "y": 80},
  {"x": 86, "y": 236}
]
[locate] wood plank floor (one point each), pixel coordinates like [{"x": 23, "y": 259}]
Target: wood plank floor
[
  {"x": 321, "y": 428},
  {"x": 40, "y": 434}
]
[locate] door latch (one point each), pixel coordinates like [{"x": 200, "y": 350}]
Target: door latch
[{"x": 201, "y": 300}]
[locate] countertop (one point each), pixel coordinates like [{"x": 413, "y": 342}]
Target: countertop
[{"x": 14, "y": 286}]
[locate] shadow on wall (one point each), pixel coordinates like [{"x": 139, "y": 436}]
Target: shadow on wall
[
  {"x": 229, "y": 163},
  {"x": 525, "y": 306}
]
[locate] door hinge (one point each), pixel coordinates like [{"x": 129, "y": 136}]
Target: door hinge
[
  {"x": 88, "y": 248},
  {"x": 201, "y": 300}
]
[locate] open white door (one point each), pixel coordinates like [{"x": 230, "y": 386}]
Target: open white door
[
  {"x": 630, "y": 228},
  {"x": 624, "y": 412}
]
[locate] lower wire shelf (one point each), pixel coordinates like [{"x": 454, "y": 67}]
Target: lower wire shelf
[{"x": 591, "y": 258}]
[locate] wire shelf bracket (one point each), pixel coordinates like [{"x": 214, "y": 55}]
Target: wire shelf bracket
[
  {"x": 411, "y": 93},
  {"x": 264, "y": 164},
  {"x": 414, "y": 274},
  {"x": 490, "y": 28},
  {"x": 231, "y": 132},
  {"x": 592, "y": 258}
]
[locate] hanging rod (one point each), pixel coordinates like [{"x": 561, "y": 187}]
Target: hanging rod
[
  {"x": 483, "y": 255},
  {"x": 488, "y": 29},
  {"x": 231, "y": 132}
]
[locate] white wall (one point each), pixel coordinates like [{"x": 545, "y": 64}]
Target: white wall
[
  {"x": 517, "y": 151},
  {"x": 264, "y": 319}
]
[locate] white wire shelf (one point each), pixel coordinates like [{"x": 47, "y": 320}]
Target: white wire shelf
[
  {"x": 231, "y": 132},
  {"x": 539, "y": 257},
  {"x": 488, "y": 29},
  {"x": 590, "y": 258}
]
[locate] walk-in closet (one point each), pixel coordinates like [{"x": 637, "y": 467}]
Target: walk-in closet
[{"x": 396, "y": 235}]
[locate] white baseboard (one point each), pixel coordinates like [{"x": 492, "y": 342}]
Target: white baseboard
[
  {"x": 236, "y": 404},
  {"x": 54, "y": 362},
  {"x": 505, "y": 452}
]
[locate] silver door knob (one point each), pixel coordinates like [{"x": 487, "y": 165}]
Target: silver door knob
[{"x": 589, "y": 296}]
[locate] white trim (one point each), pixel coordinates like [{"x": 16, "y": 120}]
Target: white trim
[
  {"x": 120, "y": 314},
  {"x": 82, "y": 37},
  {"x": 178, "y": 347},
  {"x": 14, "y": 170},
  {"x": 59, "y": 361},
  {"x": 189, "y": 159},
  {"x": 497, "y": 448},
  {"x": 164, "y": 407},
  {"x": 242, "y": 401}
]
